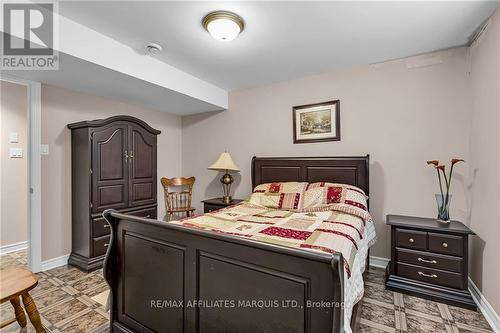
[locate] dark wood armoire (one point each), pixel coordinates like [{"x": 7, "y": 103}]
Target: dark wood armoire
[{"x": 113, "y": 165}]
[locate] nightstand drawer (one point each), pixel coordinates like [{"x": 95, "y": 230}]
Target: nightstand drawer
[
  {"x": 210, "y": 208},
  {"x": 447, "y": 244},
  {"x": 211, "y": 205},
  {"x": 411, "y": 239},
  {"x": 429, "y": 275},
  {"x": 430, "y": 260}
]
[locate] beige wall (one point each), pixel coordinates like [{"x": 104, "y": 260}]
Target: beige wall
[
  {"x": 485, "y": 161},
  {"x": 61, "y": 107},
  {"x": 13, "y": 171},
  {"x": 401, "y": 117}
]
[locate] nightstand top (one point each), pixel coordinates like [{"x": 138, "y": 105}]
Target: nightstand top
[
  {"x": 219, "y": 202},
  {"x": 422, "y": 223}
]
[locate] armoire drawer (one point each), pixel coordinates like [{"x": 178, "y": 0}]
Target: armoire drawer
[
  {"x": 100, "y": 227},
  {"x": 100, "y": 245},
  {"x": 147, "y": 213}
]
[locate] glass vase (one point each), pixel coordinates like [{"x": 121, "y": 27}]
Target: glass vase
[{"x": 443, "y": 205}]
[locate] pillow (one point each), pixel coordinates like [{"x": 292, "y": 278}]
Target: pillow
[
  {"x": 325, "y": 184},
  {"x": 340, "y": 197},
  {"x": 286, "y": 195}
]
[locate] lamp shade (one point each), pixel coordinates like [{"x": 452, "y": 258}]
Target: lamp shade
[{"x": 224, "y": 162}]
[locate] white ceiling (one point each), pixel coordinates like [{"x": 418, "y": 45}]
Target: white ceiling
[{"x": 283, "y": 40}]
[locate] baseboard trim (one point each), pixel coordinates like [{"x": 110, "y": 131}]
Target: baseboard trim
[
  {"x": 55, "y": 262},
  {"x": 9, "y": 248},
  {"x": 379, "y": 262},
  {"x": 485, "y": 307}
]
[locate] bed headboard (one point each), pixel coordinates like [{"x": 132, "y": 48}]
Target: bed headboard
[{"x": 346, "y": 170}]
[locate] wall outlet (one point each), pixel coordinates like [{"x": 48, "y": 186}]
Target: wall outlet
[
  {"x": 44, "y": 149},
  {"x": 13, "y": 137},
  {"x": 16, "y": 153}
]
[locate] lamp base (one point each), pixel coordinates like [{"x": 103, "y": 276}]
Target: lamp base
[
  {"x": 226, "y": 181},
  {"x": 226, "y": 199}
]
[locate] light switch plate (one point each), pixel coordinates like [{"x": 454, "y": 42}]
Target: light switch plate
[
  {"x": 13, "y": 137},
  {"x": 44, "y": 149},
  {"x": 16, "y": 152}
]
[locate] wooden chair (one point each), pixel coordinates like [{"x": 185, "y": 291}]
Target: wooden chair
[
  {"x": 16, "y": 281},
  {"x": 178, "y": 202}
]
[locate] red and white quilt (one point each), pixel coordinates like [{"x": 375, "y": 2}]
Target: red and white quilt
[{"x": 329, "y": 229}]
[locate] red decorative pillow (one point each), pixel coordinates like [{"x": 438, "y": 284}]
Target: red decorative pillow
[
  {"x": 333, "y": 194},
  {"x": 274, "y": 188}
]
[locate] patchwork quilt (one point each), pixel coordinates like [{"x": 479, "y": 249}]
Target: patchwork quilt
[{"x": 328, "y": 230}]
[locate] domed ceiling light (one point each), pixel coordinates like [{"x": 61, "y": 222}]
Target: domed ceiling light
[{"x": 223, "y": 25}]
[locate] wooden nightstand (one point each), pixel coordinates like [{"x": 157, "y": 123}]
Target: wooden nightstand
[
  {"x": 217, "y": 203},
  {"x": 430, "y": 259}
]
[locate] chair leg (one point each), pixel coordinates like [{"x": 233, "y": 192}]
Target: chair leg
[
  {"x": 19, "y": 312},
  {"x": 33, "y": 314}
]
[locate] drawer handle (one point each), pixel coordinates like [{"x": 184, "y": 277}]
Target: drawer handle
[
  {"x": 411, "y": 240},
  {"x": 106, "y": 245},
  {"x": 147, "y": 216},
  {"x": 427, "y": 261},
  {"x": 106, "y": 225},
  {"x": 428, "y": 275},
  {"x": 445, "y": 245}
]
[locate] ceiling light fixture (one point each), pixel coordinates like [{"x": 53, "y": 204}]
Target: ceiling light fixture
[
  {"x": 223, "y": 25},
  {"x": 153, "y": 48}
]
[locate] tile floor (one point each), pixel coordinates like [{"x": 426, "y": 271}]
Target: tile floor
[
  {"x": 64, "y": 299},
  {"x": 387, "y": 311}
]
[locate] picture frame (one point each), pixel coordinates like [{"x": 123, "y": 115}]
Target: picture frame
[{"x": 319, "y": 122}]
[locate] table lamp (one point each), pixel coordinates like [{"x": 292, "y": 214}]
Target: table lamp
[{"x": 225, "y": 163}]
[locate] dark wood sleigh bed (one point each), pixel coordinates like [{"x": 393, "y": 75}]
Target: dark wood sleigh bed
[{"x": 158, "y": 271}]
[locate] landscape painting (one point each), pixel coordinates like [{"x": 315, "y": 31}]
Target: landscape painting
[{"x": 317, "y": 122}]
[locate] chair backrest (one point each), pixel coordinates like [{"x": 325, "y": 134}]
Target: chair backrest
[{"x": 178, "y": 200}]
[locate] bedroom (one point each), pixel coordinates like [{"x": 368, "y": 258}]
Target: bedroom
[{"x": 409, "y": 88}]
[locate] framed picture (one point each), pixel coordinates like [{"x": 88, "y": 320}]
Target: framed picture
[{"x": 318, "y": 122}]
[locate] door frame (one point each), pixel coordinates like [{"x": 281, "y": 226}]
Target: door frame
[{"x": 34, "y": 190}]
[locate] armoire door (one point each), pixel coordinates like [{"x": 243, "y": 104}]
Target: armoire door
[
  {"x": 142, "y": 166},
  {"x": 110, "y": 168}
]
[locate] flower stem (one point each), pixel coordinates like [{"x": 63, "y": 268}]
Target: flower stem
[{"x": 440, "y": 183}]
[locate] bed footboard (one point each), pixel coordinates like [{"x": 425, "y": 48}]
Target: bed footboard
[{"x": 167, "y": 278}]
